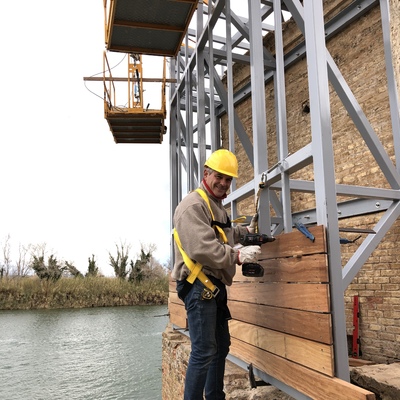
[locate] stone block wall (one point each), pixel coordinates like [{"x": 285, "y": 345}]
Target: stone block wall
[
  {"x": 380, "y": 379},
  {"x": 175, "y": 356}
]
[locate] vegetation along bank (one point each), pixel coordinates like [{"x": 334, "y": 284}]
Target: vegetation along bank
[{"x": 47, "y": 282}]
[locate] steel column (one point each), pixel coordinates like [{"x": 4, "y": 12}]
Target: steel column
[
  {"x": 391, "y": 77},
  {"x": 259, "y": 121},
  {"x": 281, "y": 126},
  {"x": 324, "y": 172}
]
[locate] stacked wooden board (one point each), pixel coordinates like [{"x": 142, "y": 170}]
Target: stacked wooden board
[{"x": 281, "y": 323}]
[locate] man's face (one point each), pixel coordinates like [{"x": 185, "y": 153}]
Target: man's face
[{"x": 217, "y": 182}]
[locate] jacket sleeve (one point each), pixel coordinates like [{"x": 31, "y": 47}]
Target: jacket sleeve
[
  {"x": 199, "y": 239},
  {"x": 239, "y": 231}
]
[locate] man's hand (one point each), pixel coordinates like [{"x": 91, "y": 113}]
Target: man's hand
[
  {"x": 248, "y": 254},
  {"x": 253, "y": 223}
]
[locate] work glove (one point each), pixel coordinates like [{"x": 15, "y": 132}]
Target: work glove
[
  {"x": 248, "y": 254},
  {"x": 253, "y": 223}
]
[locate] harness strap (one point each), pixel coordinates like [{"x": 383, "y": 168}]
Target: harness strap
[
  {"x": 227, "y": 224},
  {"x": 195, "y": 268},
  {"x": 240, "y": 219},
  {"x": 207, "y": 200}
]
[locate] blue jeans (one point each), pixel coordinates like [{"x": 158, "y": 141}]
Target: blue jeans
[{"x": 210, "y": 339}]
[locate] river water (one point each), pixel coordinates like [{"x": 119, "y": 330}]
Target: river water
[{"x": 82, "y": 354}]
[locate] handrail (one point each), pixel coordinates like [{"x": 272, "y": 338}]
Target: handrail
[
  {"x": 109, "y": 10},
  {"x": 109, "y": 93},
  {"x": 163, "y": 107},
  {"x": 133, "y": 97}
]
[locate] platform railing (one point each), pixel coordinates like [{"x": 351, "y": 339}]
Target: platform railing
[
  {"x": 109, "y": 9},
  {"x": 130, "y": 97},
  {"x": 108, "y": 84}
]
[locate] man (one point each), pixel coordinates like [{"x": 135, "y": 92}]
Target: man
[{"x": 204, "y": 237}]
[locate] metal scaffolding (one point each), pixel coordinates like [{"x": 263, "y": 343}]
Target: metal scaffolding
[{"x": 203, "y": 94}]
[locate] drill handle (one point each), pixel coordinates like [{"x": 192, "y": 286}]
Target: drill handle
[{"x": 255, "y": 239}]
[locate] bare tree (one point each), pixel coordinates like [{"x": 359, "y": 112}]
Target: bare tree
[
  {"x": 70, "y": 267},
  {"x": 168, "y": 265},
  {"x": 120, "y": 262},
  {"x": 156, "y": 269},
  {"x": 23, "y": 261},
  {"x": 146, "y": 266},
  {"x": 139, "y": 268},
  {"x": 6, "y": 264},
  {"x": 93, "y": 269},
  {"x": 53, "y": 270},
  {"x": 39, "y": 250},
  {"x": 50, "y": 270}
]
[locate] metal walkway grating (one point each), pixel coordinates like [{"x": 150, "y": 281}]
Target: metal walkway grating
[
  {"x": 155, "y": 27},
  {"x": 139, "y": 128}
]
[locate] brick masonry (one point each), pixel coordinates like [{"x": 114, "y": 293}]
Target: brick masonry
[{"x": 358, "y": 51}]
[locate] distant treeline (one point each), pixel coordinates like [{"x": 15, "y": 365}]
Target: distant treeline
[{"x": 22, "y": 293}]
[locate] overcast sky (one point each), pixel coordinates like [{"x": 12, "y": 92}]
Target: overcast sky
[{"x": 64, "y": 181}]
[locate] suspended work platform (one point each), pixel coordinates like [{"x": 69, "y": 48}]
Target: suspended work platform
[
  {"x": 129, "y": 120},
  {"x": 141, "y": 27},
  {"x": 154, "y": 27},
  {"x": 136, "y": 128}
]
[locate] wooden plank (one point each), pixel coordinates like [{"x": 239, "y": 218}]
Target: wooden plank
[
  {"x": 295, "y": 244},
  {"x": 308, "y": 325},
  {"x": 173, "y": 298},
  {"x": 311, "y": 354},
  {"x": 177, "y": 315},
  {"x": 302, "y": 296},
  {"x": 171, "y": 284},
  {"x": 311, "y": 268},
  {"x": 305, "y": 380}
]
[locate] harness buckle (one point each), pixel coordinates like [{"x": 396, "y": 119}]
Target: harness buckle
[
  {"x": 215, "y": 291},
  {"x": 208, "y": 294}
]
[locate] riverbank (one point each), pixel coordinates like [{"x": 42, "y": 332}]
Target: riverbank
[{"x": 32, "y": 293}]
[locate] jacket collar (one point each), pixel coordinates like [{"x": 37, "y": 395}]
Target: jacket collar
[{"x": 211, "y": 193}]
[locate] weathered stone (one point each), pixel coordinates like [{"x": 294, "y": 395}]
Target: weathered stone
[
  {"x": 175, "y": 355},
  {"x": 237, "y": 386},
  {"x": 382, "y": 379}
]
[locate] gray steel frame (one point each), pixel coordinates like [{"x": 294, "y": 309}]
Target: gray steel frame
[{"x": 191, "y": 98}]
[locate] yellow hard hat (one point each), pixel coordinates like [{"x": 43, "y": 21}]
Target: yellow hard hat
[{"x": 224, "y": 162}]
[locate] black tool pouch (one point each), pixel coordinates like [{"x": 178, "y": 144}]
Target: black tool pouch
[
  {"x": 223, "y": 312},
  {"x": 183, "y": 288}
]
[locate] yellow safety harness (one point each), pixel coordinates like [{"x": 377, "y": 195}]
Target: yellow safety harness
[
  {"x": 202, "y": 193},
  {"x": 195, "y": 267}
]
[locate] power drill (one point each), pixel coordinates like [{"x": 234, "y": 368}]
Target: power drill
[{"x": 254, "y": 239}]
